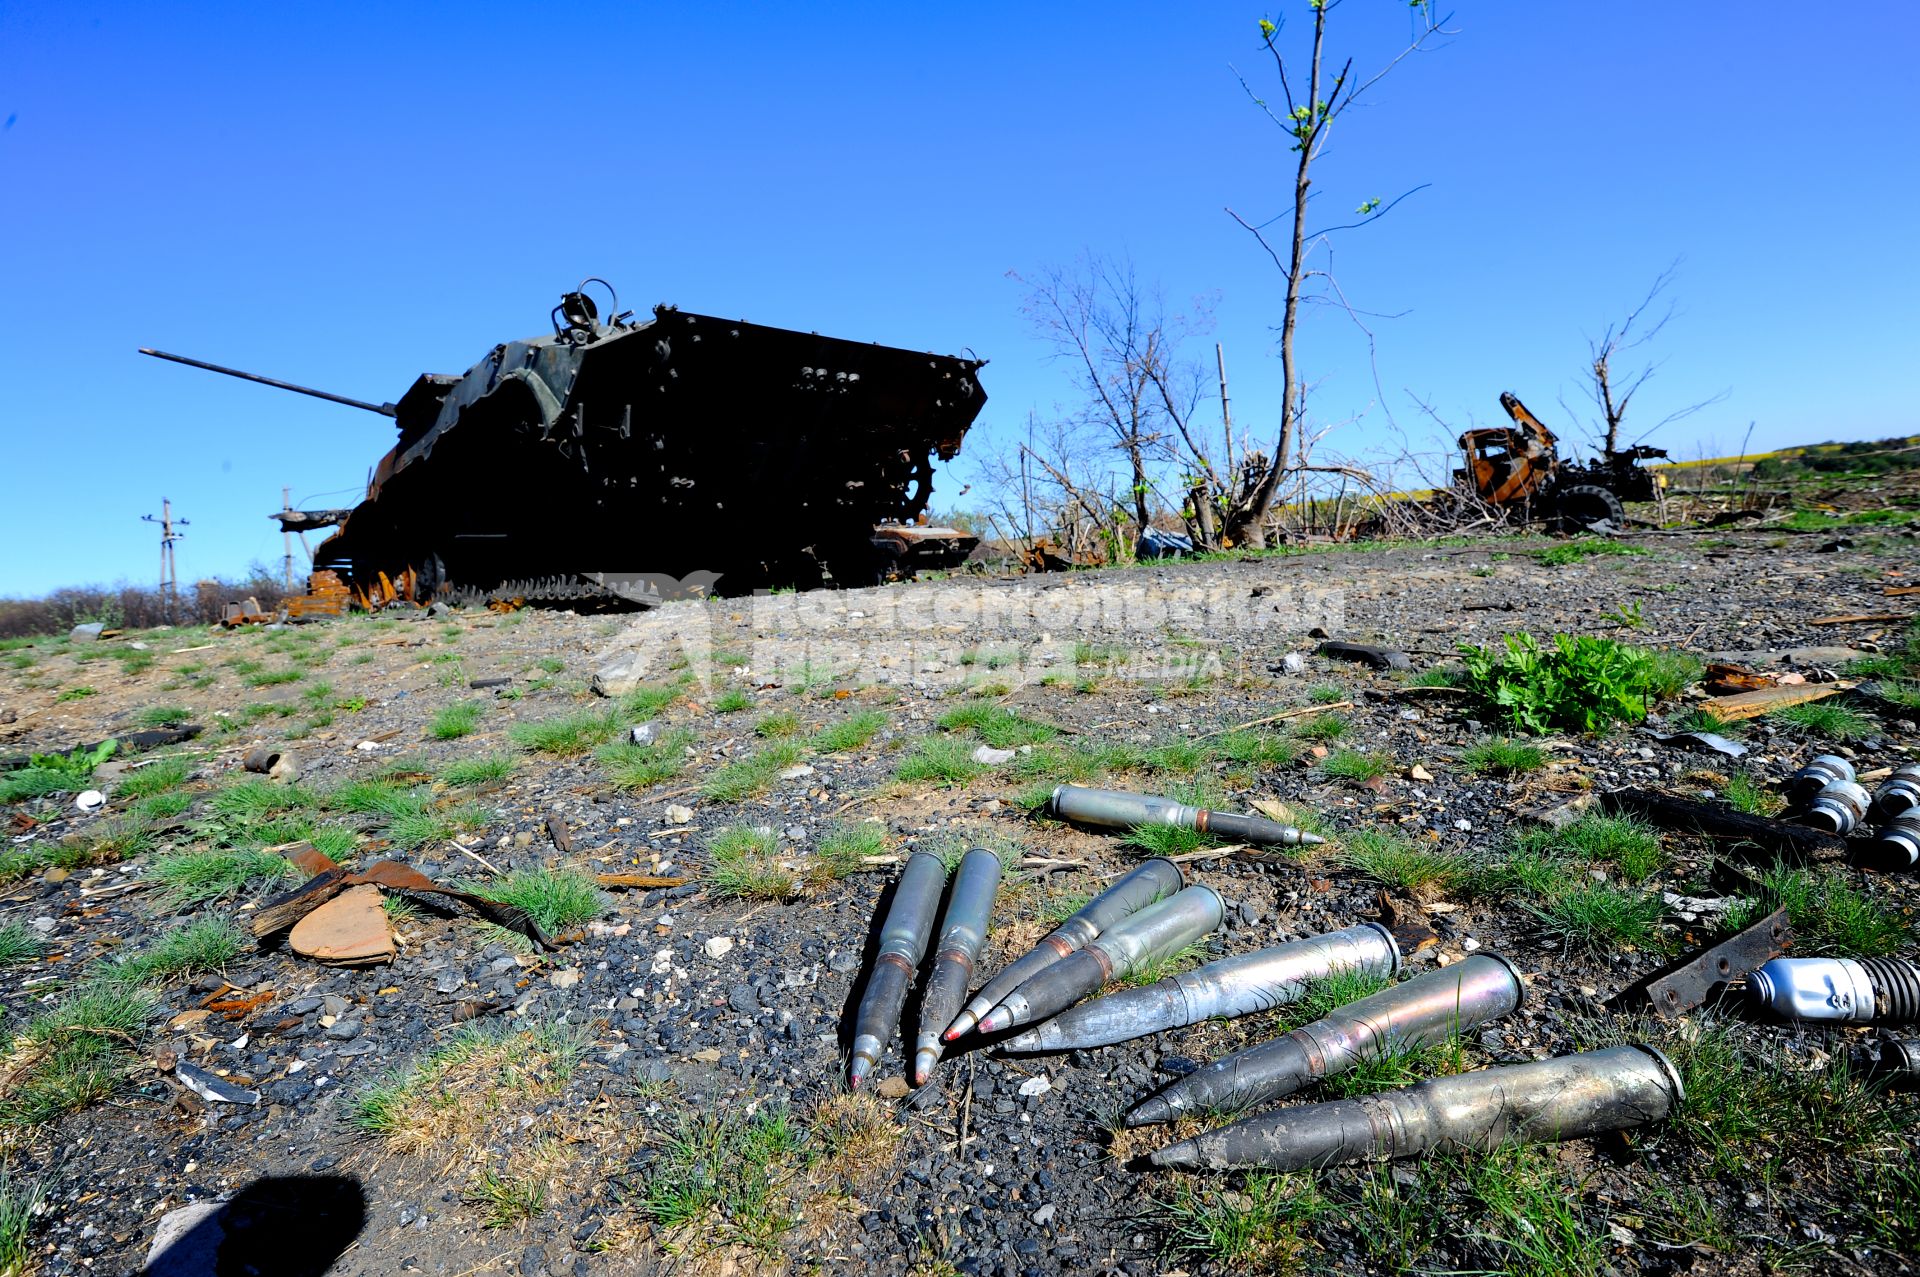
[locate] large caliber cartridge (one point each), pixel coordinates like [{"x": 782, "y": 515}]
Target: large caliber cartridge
[
  {"x": 903, "y": 942},
  {"x": 962, "y": 932}
]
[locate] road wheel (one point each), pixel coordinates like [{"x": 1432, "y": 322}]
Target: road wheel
[{"x": 1583, "y": 507}]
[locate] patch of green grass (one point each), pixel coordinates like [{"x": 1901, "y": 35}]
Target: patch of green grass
[
  {"x": 1326, "y": 693},
  {"x": 1179, "y": 758},
  {"x": 505, "y": 1200},
  {"x": 37, "y": 782},
  {"x": 644, "y": 704},
  {"x": 1829, "y": 916},
  {"x": 451, "y": 722},
  {"x": 568, "y": 735},
  {"x": 1530, "y": 1215},
  {"x": 777, "y": 726},
  {"x": 256, "y": 799},
  {"x": 753, "y": 775},
  {"x": 106, "y": 843},
  {"x": 195, "y": 877},
  {"x": 732, "y": 701},
  {"x": 1324, "y": 996},
  {"x": 198, "y": 947},
  {"x": 1705, "y": 720},
  {"x": 716, "y": 1180},
  {"x": 163, "y": 716},
  {"x": 19, "y": 1204},
  {"x": 470, "y": 773},
  {"x": 1503, "y": 757},
  {"x": 843, "y": 849},
  {"x": 1743, "y": 793},
  {"x": 1568, "y": 553},
  {"x": 1322, "y": 728},
  {"x": 947, "y": 760},
  {"x": 75, "y": 694},
  {"x": 1265, "y": 1225},
  {"x": 1630, "y": 845},
  {"x": 429, "y": 825},
  {"x": 155, "y": 778},
  {"x": 1168, "y": 840},
  {"x": 997, "y": 725},
  {"x": 74, "y": 1053},
  {"x": 852, "y": 732},
  {"x": 1601, "y": 917},
  {"x": 560, "y": 900},
  {"x": 1255, "y": 749},
  {"x": 1398, "y": 1066},
  {"x": 272, "y": 678},
  {"x": 18, "y": 943},
  {"x": 729, "y": 658},
  {"x": 376, "y": 796},
  {"x": 747, "y": 865},
  {"x": 1391, "y": 860},
  {"x": 631, "y": 766},
  {"x": 1824, "y": 720},
  {"x": 1354, "y": 765}
]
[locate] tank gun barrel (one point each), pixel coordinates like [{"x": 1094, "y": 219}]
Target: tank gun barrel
[{"x": 384, "y": 409}]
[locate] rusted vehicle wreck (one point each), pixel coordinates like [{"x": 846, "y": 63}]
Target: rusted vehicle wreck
[{"x": 638, "y": 458}]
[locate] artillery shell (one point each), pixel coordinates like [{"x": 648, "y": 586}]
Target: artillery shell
[
  {"x": 903, "y": 942},
  {"x": 962, "y": 933}
]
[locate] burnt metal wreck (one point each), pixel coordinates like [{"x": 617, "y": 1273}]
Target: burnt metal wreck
[{"x": 642, "y": 458}]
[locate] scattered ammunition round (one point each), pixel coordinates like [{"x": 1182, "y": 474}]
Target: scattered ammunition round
[
  {"x": 1151, "y": 880},
  {"x": 1837, "y": 808},
  {"x": 962, "y": 933},
  {"x": 1859, "y": 990},
  {"x": 903, "y": 942},
  {"x": 1898, "y": 846},
  {"x": 1158, "y": 931},
  {"x": 1816, "y": 776},
  {"x": 1573, "y": 1096},
  {"x": 1116, "y": 809},
  {"x": 1426, "y": 1009},
  {"x": 1217, "y": 991},
  {"x": 1899, "y": 794}
]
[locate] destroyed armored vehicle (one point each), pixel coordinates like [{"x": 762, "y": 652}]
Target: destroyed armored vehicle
[
  {"x": 1519, "y": 468},
  {"x": 642, "y": 458}
]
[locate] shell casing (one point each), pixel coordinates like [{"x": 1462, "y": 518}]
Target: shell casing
[
  {"x": 1151, "y": 880},
  {"x": 1230, "y": 987},
  {"x": 903, "y": 943},
  {"x": 1569, "y": 1097},
  {"x": 1117, "y": 809},
  {"x": 963, "y": 932},
  {"x": 1817, "y": 775},
  {"x": 1899, "y": 794},
  {"x": 1426, "y": 1009},
  {"x": 1158, "y": 931},
  {"x": 1837, "y": 808}
]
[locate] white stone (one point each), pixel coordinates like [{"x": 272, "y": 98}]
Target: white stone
[
  {"x": 1036, "y": 1086},
  {"x": 565, "y": 977},
  {"x": 796, "y": 771},
  {"x": 678, "y": 815},
  {"x": 718, "y": 947}
]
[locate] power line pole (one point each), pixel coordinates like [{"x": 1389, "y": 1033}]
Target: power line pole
[
  {"x": 169, "y": 581},
  {"x": 286, "y": 540}
]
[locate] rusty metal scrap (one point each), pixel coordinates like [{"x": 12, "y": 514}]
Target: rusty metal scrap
[{"x": 1684, "y": 985}]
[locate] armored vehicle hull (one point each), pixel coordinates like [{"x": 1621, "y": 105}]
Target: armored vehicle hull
[{"x": 645, "y": 458}]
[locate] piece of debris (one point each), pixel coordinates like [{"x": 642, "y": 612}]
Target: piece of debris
[
  {"x": 558, "y": 831},
  {"x": 89, "y": 800},
  {"x": 1753, "y": 837},
  {"x": 1684, "y": 985},
  {"x": 480, "y": 684},
  {"x": 638, "y": 882},
  {"x": 91, "y": 632},
  {"x": 1379, "y": 658},
  {"x": 643, "y": 733},
  {"x": 988, "y": 756},
  {"x": 1701, "y": 742},
  {"x": 1759, "y": 701},
  {"x": 1417, "y": 772},
  {"x": 565, "y": 977},
  {"x": 718, "y": 947},
  {"x": 800, "y": 770},
  {"x": 211, "y": 1087},
  {"x": 678, "y": 815},
  {"x": 349, "y": 930}
]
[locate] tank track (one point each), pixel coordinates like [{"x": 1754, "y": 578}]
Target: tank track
[{"x": 566, "y": 588}]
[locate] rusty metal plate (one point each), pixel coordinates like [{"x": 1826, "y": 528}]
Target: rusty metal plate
[{"x": 1686, "y": 986}]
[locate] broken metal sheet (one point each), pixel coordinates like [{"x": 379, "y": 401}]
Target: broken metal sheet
[
  {"x": 351, "y": 930},
  {"x": 1701, "y": 742},
  {"x": 1379, "y": 658},
  {"x": 211, "y": 1087},
  {"x": 1680, "y": 988}
]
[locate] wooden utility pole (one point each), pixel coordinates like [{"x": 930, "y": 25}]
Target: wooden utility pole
[
  {"x": 169, "y": 580},
  {"x": 1226, "y": 413}
]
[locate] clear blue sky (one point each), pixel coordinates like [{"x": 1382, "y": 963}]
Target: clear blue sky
[{"x": 348, "y": 195}]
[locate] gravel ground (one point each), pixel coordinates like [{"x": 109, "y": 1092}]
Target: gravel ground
[{"x": 690, "y": 1015}]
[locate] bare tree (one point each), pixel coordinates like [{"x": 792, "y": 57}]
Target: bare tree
[
  {"x": 1307, "y": 120},
  {"x": 1611, "y": 385}
]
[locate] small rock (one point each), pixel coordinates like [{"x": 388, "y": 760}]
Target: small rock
[
  {"x": 644, "y": 734},
  {"x": 1036, "y": 1085},
  {"x": 90, "y": 800},
  {"x": 893, "y": 1088},
  {"x": 55, "y": 874},
  {"x": 678, "y": 815},
  {"x": 1417, "y": 772},
  {"x": 743, "y": 999},
  {"x": 709, "y": 1056},
  {"x": 285, "y": 770},
  {"x": 188, "y": 1240},
  {"x": 718, "y": 947},
  {"x": 620, "y": 677},
  {"x": 988, "y": 756},
  {"x": 1044, "y": 1215},
  {"x": 1469, "y": 944},
  {"x": 368, "y": 746},
  {"x": 1293, "y": 662},
  {"x": 796, "y": 771},
  {"x": 565, "y": 977}
]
